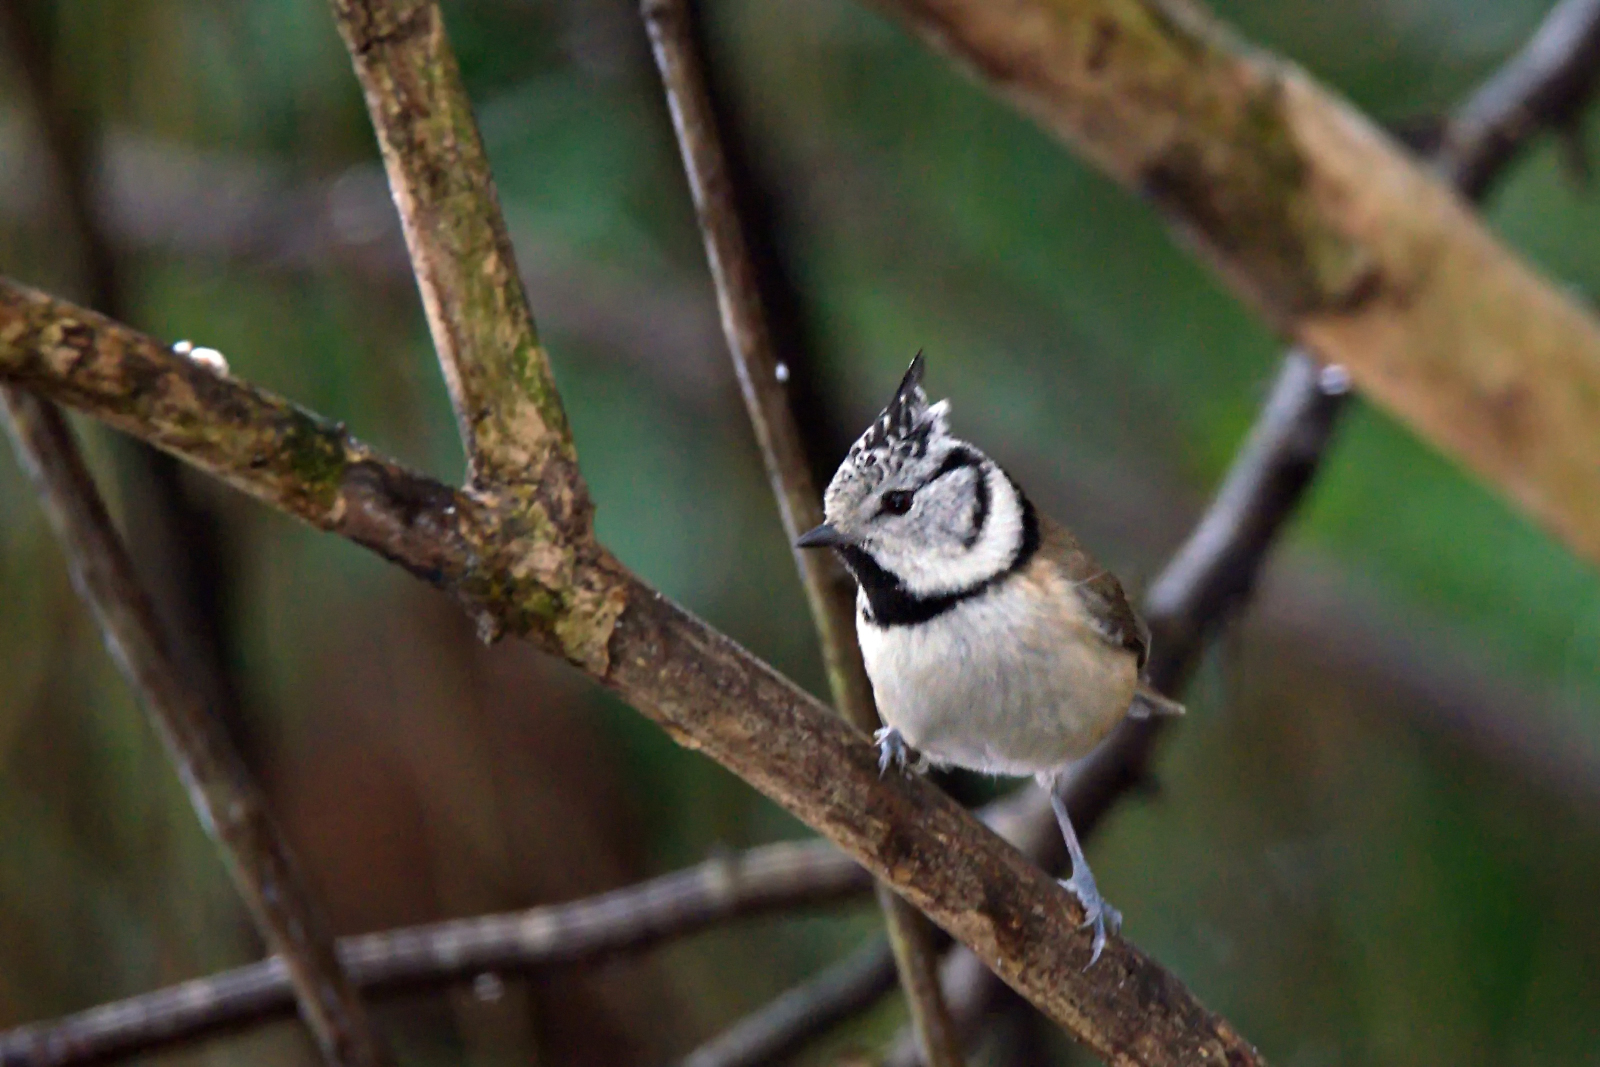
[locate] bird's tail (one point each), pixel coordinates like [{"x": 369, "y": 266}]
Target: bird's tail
[{"x": 1148, "y": 702}]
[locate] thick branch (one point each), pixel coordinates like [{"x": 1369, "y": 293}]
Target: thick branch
[
  {"x": 828, "y": 590},
  {"x": 707, "y": 692},
  {"x": 770, "y": 878},
  {"x": 1316, "y": 217},
  {"x": 231, "y": 809},
  {"x": 510, "y": 414}
]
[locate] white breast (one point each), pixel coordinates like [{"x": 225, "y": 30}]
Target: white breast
[{"x": 1000, "y": 684}]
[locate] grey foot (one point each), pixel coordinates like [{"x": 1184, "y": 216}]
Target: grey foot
[
  {"x": 892, "y": 748},
  {"x": 1096, "y": 912}
]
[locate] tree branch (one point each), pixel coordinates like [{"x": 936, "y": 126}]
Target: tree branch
[
  {"x": 506, "y": 403},
  {"x": 828, "y": 589},
  {"x": 706, "y": 691},
  {"x": 769, "y": 878},
  {"x": 230, "y": 807},
  {"x": 1332, "y": 232}
]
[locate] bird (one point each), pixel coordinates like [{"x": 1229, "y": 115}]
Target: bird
[{"x": 993, "y": 640}]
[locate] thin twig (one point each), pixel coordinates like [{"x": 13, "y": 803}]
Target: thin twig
[
  {"x": 779, "y": 877},
  {"x": 770, "y": 878},
  {"x": 168, "y": 526},
  {"x": 786, "y": 1024},
  {"x": 761, "y": 380},
  {"x": 1544, "y": 86},
  {"x": 230, "y": 807}
]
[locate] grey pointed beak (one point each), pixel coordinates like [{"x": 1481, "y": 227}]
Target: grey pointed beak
[{"x": 824, "y": 536}]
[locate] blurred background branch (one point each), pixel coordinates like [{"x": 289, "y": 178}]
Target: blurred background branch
[
  {"x": 230, "y": 807},
  {"x": 769, "y": 878}
]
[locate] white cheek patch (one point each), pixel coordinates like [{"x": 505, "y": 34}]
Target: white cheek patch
[{"x": 932, "y": 572}]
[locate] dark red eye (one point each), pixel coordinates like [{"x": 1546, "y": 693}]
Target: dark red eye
[{"x": 897, "y": 501}]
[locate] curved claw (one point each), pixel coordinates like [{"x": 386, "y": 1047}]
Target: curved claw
[
  {"x": 892, "y": 748},
  {"x": 1096, "y": 913}
]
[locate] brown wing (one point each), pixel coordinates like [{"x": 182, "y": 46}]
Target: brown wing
[{"x": 1109, "y": 611}]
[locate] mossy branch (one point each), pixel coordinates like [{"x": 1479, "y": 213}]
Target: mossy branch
[
  {"x": 1334, "y": 232},
  {"x": 510, "y": 414},
  {"x": 703, "y": 689}
]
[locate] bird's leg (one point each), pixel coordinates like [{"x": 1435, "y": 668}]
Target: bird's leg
[
  {"x": 1096, "y": 912},
  {"x": 892, "y": 748}
]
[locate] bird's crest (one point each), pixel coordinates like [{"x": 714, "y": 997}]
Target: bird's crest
[{"x": 905, "y": 427}]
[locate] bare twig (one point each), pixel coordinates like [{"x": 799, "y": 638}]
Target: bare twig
[
  {"x": 509, "y": 412},
  {"x": 1327, "y": 226},
  {"x": 791, "y": 1021},
  {"x": 765, "y": 879},
  {"x": 185, "y": 584},
  {"x": 575, "y": 599},
  {"x": 784, "y": 1026},
  {"x": 231, "y": 809},
  {"x": 1543, "y": 86},
  {"x": 761, "y": 380}
]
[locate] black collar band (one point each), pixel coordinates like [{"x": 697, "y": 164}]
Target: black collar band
[{"x": 890, "y": 603}]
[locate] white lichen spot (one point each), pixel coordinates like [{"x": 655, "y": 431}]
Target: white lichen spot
[
  {"x": 1334, "y": 380},
  {"x": 210, "y": 357}
]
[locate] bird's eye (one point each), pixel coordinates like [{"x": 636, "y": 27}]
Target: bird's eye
[{"x": 897, "y": 501}]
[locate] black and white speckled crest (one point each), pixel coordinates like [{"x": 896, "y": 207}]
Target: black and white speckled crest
[{"x": 901, "y": 433}]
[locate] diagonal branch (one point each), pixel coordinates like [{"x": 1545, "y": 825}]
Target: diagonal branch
[
  {"x": 769, "y": 878},
  {"x": 507, "y": 406},
  {"x": 783, "y": 1026},
  {"x": 706, "y": 691},
  {"x": 1322, "y": 222},
  {"x": 231, "y": 809},
  {"x": 827, "y": 588},
  {"x": 1545, "y": 85}
]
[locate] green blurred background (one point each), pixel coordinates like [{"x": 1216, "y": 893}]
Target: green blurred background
[{"x": 1377, "y": 835}]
